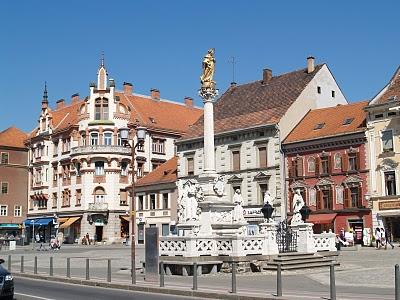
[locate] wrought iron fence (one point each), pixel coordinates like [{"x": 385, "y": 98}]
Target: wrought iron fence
[{"x": 286, "y": 238}]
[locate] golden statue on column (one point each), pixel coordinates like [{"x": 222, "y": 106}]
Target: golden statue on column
[{"x": 206, "y": 78}]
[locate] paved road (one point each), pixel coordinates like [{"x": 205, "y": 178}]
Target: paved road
[{"x": 28, "y": 289}]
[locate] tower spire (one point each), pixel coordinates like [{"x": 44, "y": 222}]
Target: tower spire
[
  {"x": 102, "y": 59},
  {"x": 45, "y": 101}
]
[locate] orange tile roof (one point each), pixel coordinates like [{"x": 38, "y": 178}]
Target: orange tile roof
[
  {"x": 66, "y": 116},
  {"x": 160, "y": 114},
  {"x": 256, "y": 103},
  {"x": 165, "y": 173},
  {"x": 332, "y": 119},
  {"x": 391, "y": 92},
  {"x": 13, "y": 137}
]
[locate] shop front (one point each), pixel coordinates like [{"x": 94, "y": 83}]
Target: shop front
[
  {"x": 42, "y": 228},
  {"x": 388, "y": 215},
  {"x": 70, "y": 228}
]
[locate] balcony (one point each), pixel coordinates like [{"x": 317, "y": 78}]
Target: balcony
[
  {"x": 98, "y": 206},
  {"x": 93, "y": 149}
]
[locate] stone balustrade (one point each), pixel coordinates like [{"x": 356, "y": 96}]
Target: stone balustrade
[
  {"x": 98, "y": 206},
  {"x": 92, "y": 149},
  {"x": 325, "y": 241}
]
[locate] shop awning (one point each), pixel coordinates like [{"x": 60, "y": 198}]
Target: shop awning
[
  {"x": 69, "y": 222},
  {"x": 9, "y": 225},
  {"x": 389, "y": 213},
  {"x": 126, "y": 218},
  {"x": 62, "y": 220},
  {"x": 321, "y": 218},
  {"x": 38, "y": 222}
]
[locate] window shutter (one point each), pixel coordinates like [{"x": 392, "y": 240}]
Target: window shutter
[
  {"x": 300, "y": 166},
  {"x": 236, "y": 160},
  {"x": 360, "y": 196},
  {"x": 262, "y": 152},
  {"x": 317, "y": 165},
  {"x": 319, "y": 199},
  {"x": 345, "y": 162},
  {"x": 330, "y": 164},
  {"x": 347, "y": 196},
  {"x": 358, "y": 161}
]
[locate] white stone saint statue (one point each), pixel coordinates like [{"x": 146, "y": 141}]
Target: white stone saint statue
[
  {"x": 298, "y": 203},
  {"x": 187, "y": 202},
  {"x": 268, "y": 198},
  {"x": 238, "y": 211}
]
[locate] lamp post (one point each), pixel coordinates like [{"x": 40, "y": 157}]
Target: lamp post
[{"x": 141, "y": 135}]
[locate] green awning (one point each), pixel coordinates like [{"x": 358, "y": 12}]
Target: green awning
[{"x": 9, "y": 225}]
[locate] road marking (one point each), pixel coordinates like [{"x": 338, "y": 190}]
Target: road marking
[{"x": 32, "y": 296}]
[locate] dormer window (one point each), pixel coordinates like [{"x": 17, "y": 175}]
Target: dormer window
[
  {"x": 347, "y": 121},
  {"x": 101, "y": 109},
  {"x": 319, "y": 126}
]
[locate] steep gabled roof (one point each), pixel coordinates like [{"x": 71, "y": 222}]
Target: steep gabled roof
[
  {"x": 331, "y": 121},
  {"x": 165, "y": 173},
  {"x": 390, "y": 93},
  {"x": 12, "y": 137},
  {"x": 160, "y": 114},
  {"x": 256, "y": 103}
]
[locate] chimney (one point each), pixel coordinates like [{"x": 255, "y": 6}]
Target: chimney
[
  {"x": 128, "y": 88},
  {"x": 233, "y": 84},
  {"x": 188, "y": 102},
  {"x": 310, "y": 64},
  {"x": 155, "y": 94},
  {"x": 75, "y": 98},
  {"x": 267, "y": 75},
  {"x": 60, "y": 103}
]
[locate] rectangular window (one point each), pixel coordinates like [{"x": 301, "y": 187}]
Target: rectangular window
[
  {"x": 139, "y": 171},
  {"x": 327, "y": 199},
  {"x": 333, "y": 94},
  {"x": 262, "y": 156},
  {"x": 55, "y": 149},
  {"x": 190, "y": 166},
  {"x": 107, "y": 138},
  {"x": 124, "y": 168},
  {"x": 263, "y": 190},
  {"x": 4, "y": 187},
  {"x": 3, "y": 210},
  {"x": 390, "y": 183},
  {"x": 158, "y": 146},
  {"x": 387, "y": 140},
  {"x": 354, "y": 197},
  {"x": 152, "y": 201},
  {"x": 54, "y": 200},
  {"x": 4, "y": 157},
  {"x": 353, "y": 162},
  {"x": 140, "y": 202},
  {"x": 236, "y": 160},
  {"x": 99, "y": 168},
  {"x": 324, "y": 165},
  {"x": 165, "y": 201},
  {"x": 123, "y": 197},
  {"x": 78, "y": 197},
  {"x": 318, "y": 89},
  {"x": 165, "y": 229},
  {"x": 94, "y": 139},
  {"x": 17, "y": 211}
]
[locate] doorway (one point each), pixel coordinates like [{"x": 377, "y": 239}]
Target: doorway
[{"x": 99, "y": 233}]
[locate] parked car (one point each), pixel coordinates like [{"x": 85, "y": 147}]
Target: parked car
[{"x": 6, "y": 283}]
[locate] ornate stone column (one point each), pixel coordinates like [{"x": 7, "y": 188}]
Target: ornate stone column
[
  {"x": 208, "y": 96},
  {"x": 305, "y": 237}
]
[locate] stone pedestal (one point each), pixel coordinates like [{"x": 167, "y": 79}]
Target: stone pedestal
[
  {"x": 305, "y": 237},
  {"x": 269, "y": 229}
]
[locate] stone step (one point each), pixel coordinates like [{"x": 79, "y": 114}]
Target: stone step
[
  {"x": 295, "y": 254},
  {"x": 301, "y": 261},
  {"x": 298, "y": 257},
  {"x": 273, "y": 267}
]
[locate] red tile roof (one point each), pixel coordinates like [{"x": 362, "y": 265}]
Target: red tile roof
[
  {"x": 161, "y": 114},
  {"x": 391, "y": 92},
  {"x": 256, "y": 103},
  {"x": 165, "y": 173},
  {"x": 13, "y": 137},
  {"x": 331, "y": 120}
]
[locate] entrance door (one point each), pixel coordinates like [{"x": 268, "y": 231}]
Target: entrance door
[
  {"x": 358, "y": 227},
  {"x": 99, "y": 233}
]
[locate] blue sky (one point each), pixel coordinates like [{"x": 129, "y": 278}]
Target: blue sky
[{"x": 160, "y": 44}]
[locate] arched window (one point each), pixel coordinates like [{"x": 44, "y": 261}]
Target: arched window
[
  {"x": 101, "y": 109},
  {"x": 311, "y": 164},
  {"x": 94, "y": 138},
  {"x": 337, "y": 158},
  {"x": 99, "y": 195}
]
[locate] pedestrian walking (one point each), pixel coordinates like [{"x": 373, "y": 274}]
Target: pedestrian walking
[
  {"x": 378, "y": 238},
  {"x": 388, "y": 238},
  {"x": 87, "y": 239}
]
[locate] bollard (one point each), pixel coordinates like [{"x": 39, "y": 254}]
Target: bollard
[
  {"x": 35, "y": 265},
  {"x": 162, "y": 284},
  {"x": 233, "y": 277},
  {"x": 87, "y": 269},
  {"x": 68, "y": 267},
  {"x": 195, "y": 276},
  {"x": 396, "y": 282},
  {"x": 9, "y": 263},
  {"x": 109, "y": 270},
  {"x": 51, "y": 266},
  {"x": 332, "y": 281},
  {"x": 22, "y": 264},
  {"x": 279, "y": 280}
]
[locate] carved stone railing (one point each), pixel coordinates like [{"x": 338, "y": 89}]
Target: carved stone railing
[
  {"x": 325, "y": 241},
  {"x": 100, "y": 149},
  {"x": 215, "y": 246},
  {"x": 98, "y": 206}
]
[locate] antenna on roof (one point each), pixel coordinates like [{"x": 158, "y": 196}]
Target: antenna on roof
[
  {"x": 233, "y": 62},
  {"x": 102, "y": 59}
]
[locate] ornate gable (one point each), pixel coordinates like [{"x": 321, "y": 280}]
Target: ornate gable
[
  {"x": 388, "y": 164},
  {"x": 235, "y": 179},
  {"x": 298, "y": 184},
  {"x": 262, "y": 176},
  {"x": 324, "y": 182}
]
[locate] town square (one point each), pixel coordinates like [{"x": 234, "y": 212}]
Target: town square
[{"x": 208, "y": 150}]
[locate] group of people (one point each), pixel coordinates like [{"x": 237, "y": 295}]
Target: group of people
[{"x": 383, "y": 238}]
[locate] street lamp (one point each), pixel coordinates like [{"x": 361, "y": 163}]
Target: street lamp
[{"x": 141, "y": 135}]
